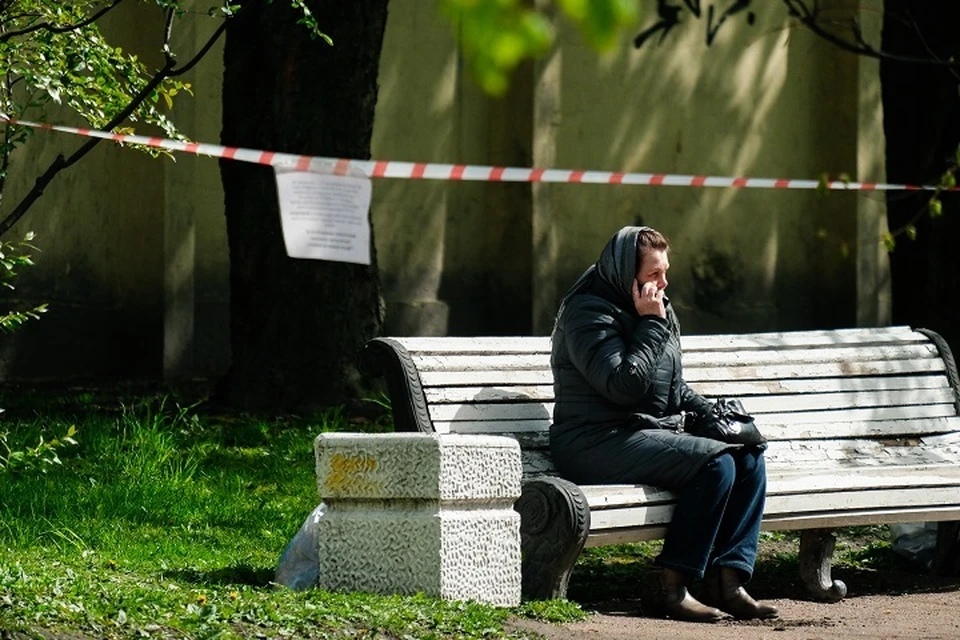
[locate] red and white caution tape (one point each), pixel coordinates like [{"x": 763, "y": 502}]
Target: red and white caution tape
[{"x": 457, "y": 172}]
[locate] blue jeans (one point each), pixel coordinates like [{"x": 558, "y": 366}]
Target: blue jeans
[{"x": 716, "y": 521}]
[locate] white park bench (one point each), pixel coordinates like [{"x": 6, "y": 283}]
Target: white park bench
[{"x": 863, "y": 426}]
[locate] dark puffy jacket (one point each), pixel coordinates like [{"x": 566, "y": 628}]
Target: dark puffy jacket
[{"x": 613, "y": 369}]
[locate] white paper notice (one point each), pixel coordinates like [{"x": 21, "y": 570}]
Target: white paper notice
[{"x": 325, "y": 217}]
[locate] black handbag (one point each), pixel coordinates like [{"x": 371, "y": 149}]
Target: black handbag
[{"x": 729, "y": 422}]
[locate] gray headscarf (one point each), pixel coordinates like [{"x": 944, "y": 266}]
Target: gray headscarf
[{"x": 617, "y": 266}]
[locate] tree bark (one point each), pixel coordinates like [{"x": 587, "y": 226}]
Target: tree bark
[
  {"x": 297, "y": 326},
  {"x": 922, "y": 125}
]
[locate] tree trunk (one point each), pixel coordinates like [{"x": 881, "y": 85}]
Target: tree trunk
[
  {"x": 922, "y": 126},
  {"x": 297, "y": 326}
]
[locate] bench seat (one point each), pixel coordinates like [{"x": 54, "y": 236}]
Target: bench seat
[{"x": 863, "y": 428}]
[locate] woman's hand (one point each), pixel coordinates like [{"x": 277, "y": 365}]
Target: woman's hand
[{"x": 648, "y": 300}]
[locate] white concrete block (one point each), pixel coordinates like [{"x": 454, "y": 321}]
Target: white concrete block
[{"x": 410, "y": 513}]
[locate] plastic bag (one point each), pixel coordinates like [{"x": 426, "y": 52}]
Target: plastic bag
[
  {"x": 299, "y": 566},
  {"x": 915, "y": 541}
]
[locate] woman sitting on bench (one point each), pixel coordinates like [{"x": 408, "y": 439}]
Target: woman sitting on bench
[{"x": 621, "y": 407}]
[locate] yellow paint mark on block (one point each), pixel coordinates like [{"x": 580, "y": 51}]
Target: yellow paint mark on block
[{"x": 347, "y": 473}]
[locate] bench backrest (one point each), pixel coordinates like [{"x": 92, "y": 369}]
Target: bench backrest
[{"x": 825, "y": 395}]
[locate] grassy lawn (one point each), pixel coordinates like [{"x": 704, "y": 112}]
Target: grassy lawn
[{"x": 168, "y": 522}]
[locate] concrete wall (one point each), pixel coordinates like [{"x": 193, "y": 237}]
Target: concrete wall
[
  {"x": 760, "y": 100},
  {"x": 135, "y": 261}
]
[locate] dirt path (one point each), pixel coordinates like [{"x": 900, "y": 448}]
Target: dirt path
[
  {"x": 887, "y": 599},
  {"x": 913, "y": 616}
]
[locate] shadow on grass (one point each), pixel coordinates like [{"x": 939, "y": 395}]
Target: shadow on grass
[
  {"x": 610, "y": 580},
  {"x": 241, "y": 574}
]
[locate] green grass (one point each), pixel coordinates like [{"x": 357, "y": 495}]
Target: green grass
[{"x": 165, "y": 522}]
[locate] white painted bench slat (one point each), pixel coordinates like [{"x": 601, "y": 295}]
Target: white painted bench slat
[
  {"x": 544, "y": 392},
  {"x": 503, "y": 406},
  {"x": 861, "y": 429},
  {"x": 740, "y": 357},
  {"x": 814, "y": 481},
  {"x": 600, "y": 537},
  {"x": 796, "y": 505},
  {"x": 701, "y": 374},
  {"x": 693, "y": 359},
  {"x": 818, "y": 370},
  {"x": 534, "y": 432},
  {"x": 523, "y": 344},
  {"x": 484, "y": 378},
  {"x": 859, "y": 415},
  {"x": 795, "y": 413}
]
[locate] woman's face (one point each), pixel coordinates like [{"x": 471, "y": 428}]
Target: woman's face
[{"x": 654, "y": 269}]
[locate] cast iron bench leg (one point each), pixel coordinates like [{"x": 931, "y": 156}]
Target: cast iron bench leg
[
  {"x": 946, "y": 558},
  {"x": 554, "y": 522},
  {"x": 816, "y": 560}
]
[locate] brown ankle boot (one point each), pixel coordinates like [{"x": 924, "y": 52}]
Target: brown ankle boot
[
  {"x": 723, "y": 588},
  {"x": 668, "y": 597}
]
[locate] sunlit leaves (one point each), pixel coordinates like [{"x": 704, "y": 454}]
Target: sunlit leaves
[
  {"x": 47, "y": 47},
  {"x": 889, "y": 241},
  {"x": 14, "y": 255},
  {"x": 496, "y": 35},
  {"x": 601, "y": 20}
]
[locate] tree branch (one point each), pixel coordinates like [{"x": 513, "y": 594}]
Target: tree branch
[
  {"x": 60, "y": 163},
  {"x": 60, "y": 29},
  {"x": 810, "y": 18},
  {"x": 202, "y": 52}
]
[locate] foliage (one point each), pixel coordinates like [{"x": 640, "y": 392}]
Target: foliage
[
  {"x": 38, "y": 458},
  {"x": 54, "y": 52},
  {"x": 496, "y": 35},
  {"x": 14, "y": 255},
  {"x": 168, "y": 522},
  {"x": 51, "y": 51},
  {"x": 933, "y": 207}
]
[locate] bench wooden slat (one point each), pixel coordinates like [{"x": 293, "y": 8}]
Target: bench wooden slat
[
  {"x": 541, "y": 344},
  {"x": 544, "y": 392},
  {"x": 457, "y": 395},
  {"x": 702, "y": 374},
  {"x": 693, "y": 359},
  {"x": 861, "y": 429},
  {"x": 819, "y": 370},
  {"x": 741, "y": 357},
  {"x": 533, "y": 433},
  {"x": 495, "y": 427},
  {"x": 797, "y": 504},
  {"x": 858, "y": 415},
  {"x": 795, "y": 409},
  {"x": 599, "y": 538},
  {"x": 814, "y": 481},
  {"x": 506, "y": 405},
  {"x": 824, "y": 385},
  {"x": 815, "y": 338},
  {"x": 484, "y": 378}
]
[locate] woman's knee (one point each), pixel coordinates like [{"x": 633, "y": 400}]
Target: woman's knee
[
  {"x": 750, "y": 462},
  {"x": 720, "y": 472}
]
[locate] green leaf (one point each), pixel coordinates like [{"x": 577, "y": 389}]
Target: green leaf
[
  {"x": 911, "y": 231},
  {"x": 823, "y": 184},
  {"x": 889, "y": 242},
  {"x": 935, "y": 208}
]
